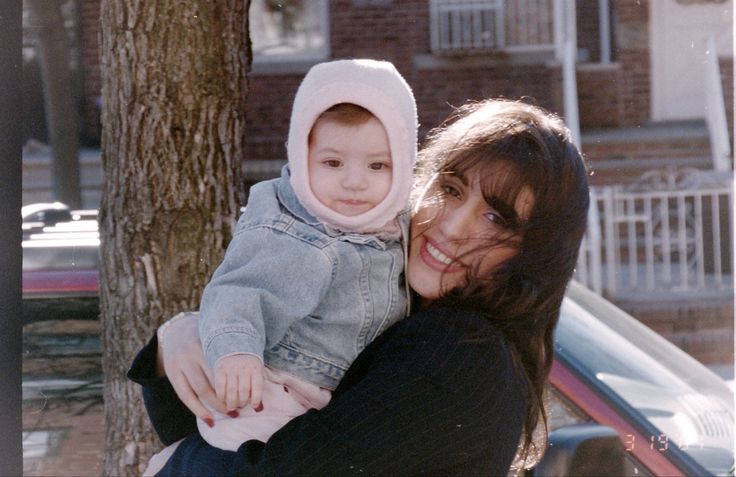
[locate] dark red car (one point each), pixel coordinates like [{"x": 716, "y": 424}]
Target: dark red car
[{"x": 60, "y": 262}]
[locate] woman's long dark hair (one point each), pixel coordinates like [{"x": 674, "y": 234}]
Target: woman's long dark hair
[{"x": 523, "y": 295}]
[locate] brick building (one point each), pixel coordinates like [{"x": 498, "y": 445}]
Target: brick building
[{"x": 492, "y": 49}]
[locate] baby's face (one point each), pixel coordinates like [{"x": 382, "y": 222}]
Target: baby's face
[{"x": 349, "y": 166}]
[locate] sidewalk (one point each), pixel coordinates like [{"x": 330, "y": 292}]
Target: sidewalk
[
  {"x": 63, "y": 438},
  {"x": 63, "y": 416}
]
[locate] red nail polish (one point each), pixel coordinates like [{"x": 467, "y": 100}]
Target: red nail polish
[
  {"x": 233, "y": 414},
  {"x": 259, "y": 408},
  {"x": 209, "y": 422}
]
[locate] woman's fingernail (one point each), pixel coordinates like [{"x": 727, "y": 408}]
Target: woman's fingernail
[
  {"x": 233, "y": 414},
  {"x": 209, "y": 421},
  {"x": 259, "y": 408}
]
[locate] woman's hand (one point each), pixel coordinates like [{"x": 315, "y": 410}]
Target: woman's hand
[{"x": 180, "y": 354}]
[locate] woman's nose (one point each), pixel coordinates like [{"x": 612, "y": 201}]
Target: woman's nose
[{"x": 456, "y": 223}]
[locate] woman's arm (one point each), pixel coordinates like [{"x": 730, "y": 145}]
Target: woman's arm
[
  {"x": 436, "y": 393},
  {"x": 171, "y": 419}
]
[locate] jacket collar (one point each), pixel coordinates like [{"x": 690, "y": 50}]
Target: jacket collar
[{"x": 288, "y": 200}]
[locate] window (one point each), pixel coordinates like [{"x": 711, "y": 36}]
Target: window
[
  {"x": 467, "y": 26},
  {"x": 287, "y": 30}
]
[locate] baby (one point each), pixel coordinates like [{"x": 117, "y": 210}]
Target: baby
[{"x": 314, "y": 271}]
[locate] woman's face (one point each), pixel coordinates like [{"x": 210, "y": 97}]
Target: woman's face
[{"x": 460, "y": 231}]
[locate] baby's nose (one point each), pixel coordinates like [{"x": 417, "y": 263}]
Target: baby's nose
[{"x": 354, "y": 179}]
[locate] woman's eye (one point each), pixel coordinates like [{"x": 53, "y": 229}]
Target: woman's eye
[
  {"x": 332, "y": 163},
  {"x": 451, "y": 190},
  {"x": 497, "y": 219},
  {"x": 378, "y": 166}
]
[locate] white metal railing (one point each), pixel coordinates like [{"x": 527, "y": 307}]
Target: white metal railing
[
  {"x": 716, "y": 109},
  {"x": 672, "y": 236},
  {"x": 466, "y": 25}
]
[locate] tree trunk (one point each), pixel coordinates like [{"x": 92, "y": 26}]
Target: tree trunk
[
  {"x": 62, "y": 117},
  {"x": 174, "y": 88}
]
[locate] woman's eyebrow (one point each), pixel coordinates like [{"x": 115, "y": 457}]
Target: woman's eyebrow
[{"x": 459, "y": 176}]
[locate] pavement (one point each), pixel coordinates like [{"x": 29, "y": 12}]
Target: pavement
[{"x": 63, "y": 416}]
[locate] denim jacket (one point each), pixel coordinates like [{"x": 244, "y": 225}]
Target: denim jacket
[{"x": 305, "y": 297}]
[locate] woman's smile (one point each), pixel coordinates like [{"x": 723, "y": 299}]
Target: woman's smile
[{"x": 438, "y": 258}]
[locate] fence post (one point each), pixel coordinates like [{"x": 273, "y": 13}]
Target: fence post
[
  {"x": 594, "y": 244},
  {"x": 610, "y": 239}
]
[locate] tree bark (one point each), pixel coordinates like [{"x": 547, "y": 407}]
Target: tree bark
[
  {"x": 62, "y": 117},
  {"x": 174, "y": 92}
]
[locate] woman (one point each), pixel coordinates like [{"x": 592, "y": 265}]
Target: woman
[{"x": 456, "y": 388}]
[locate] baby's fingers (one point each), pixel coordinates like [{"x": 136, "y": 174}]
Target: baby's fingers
[
  {"x": 232, "y": 391},
  {"x": 244, "y": 389},
  {"x": 221, "y": 380},
  {"x": 256, "y": 389}
]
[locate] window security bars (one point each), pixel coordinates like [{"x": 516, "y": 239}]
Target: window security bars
[{"x": 467, "y": 26}]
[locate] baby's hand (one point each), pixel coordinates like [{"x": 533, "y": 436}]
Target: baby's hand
[{"x": 239, "y": 381}]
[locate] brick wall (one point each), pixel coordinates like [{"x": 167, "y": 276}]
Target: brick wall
[
  {"x": 393, "y": 31},
  {"x": 632, "y": 40},
  {"x": 438, "y": 88},
  {"x": 599, "y": 96},
  {"x": 703, "y": 330},
  {"x": 267, "y": 118}
]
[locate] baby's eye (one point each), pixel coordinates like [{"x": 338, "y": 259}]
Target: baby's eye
[
  {"x": 332, "y": 162},
  {"x": 378, "y": 166}
]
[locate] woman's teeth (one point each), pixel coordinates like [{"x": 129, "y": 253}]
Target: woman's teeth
[{"x": 437, "y": 255}]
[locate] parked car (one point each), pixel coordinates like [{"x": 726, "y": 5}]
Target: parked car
[
  {"x": 60, "y": 262},
  {"x": 623, "y": 400},
  {"x": 672, "y": 414}
]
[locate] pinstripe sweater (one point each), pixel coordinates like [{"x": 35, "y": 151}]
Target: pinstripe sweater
[{"x": 436, "y": 394}]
